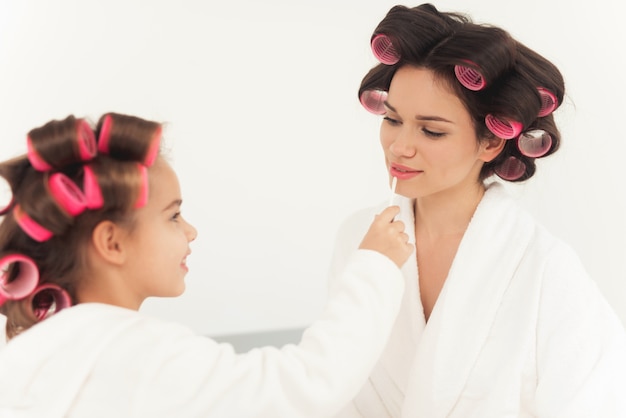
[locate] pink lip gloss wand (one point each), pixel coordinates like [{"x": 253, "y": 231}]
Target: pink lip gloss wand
[{"x": 394, "y": 183}]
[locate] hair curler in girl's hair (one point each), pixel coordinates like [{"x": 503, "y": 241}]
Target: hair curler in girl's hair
[
  {"x": 29, "y": 226},
  {"x": 6, "y": 195},
  {"x": 25, "y": 281},
  {"x": 503, "y": 128},
  {"x": 374, "y": 101},
  {"x": 114, "y": 132},
  {"x": 383, "y": 49},
  {"x": 47, "y": 146},
  {"x": 142, "y": 199},
  {"x": 67, "y": 194},
  {"x": 91, "y": 189},
  {"x": 48, "y": 299}
]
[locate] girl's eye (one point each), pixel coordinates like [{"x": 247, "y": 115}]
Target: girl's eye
[
  {"x": 391, "y": 121},
  {"x": 176, "y": 216},
  {"x": 432, "y": 134}
]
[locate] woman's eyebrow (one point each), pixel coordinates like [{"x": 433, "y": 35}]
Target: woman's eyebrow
[{"x": 420, "y": 117}]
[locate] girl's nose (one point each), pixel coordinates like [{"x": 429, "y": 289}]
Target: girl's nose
[{"x": 191, "y": 232}]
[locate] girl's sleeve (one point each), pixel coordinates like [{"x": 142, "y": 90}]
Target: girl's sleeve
[{"x": 194, "y": 376}]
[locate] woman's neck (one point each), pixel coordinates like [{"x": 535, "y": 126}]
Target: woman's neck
[{"x": 447, "y": 213}]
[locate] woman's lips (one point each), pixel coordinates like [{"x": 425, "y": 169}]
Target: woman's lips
[{"x": 403, "y": 172}]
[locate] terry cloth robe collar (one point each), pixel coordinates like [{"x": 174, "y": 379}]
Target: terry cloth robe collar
[{"x": 465, "y": 310}]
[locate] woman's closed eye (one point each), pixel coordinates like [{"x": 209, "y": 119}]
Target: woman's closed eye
[
  {"x": 391, "y": 121},
  {"x": 432, "y": 134}
]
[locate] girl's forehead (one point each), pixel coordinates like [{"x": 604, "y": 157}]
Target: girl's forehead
[{"x": 163, "y": 181}]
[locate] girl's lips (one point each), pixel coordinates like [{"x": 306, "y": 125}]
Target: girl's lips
[{"x": 403, "y": 172}]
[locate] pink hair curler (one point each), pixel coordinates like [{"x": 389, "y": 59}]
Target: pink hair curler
[
  {"x": 383, "y": 50},
  {"x": 470, "y": 78},
  {"x": 6, "y": 196},
  {"x": 374, "y": 101},
  {"x": 105, "y": 134},
  {"x": 86, "y": 140},
  {"x": 142, "y": 199},
  {"x": 153, "y": 149},
  {"x": 91, "y": 189},
  {"x": 67, "y": 194},
  {"x": 549, "y": 102},
  {"x": 535, "y": 143},
  {"x": 29, "y": 226},
  {"x": 25, "y": 282},
  {"x": 48, "y": 299},
  {"x": 35, "y": 159},
  {"x": 511, "y": 169},
  {"x": 503, "y": 128}
]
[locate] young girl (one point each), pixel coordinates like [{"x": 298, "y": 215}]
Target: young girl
[
  {"x": 499, "y": 318},
  {"x": 93, "y": 229}
]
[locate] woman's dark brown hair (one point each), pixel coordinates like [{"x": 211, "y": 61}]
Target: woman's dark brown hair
[
  {"x": 61, "y": 259},
  {"x": 427, "y": 38}
]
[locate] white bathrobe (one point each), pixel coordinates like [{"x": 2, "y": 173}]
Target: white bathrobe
[
  {"x": 518, "y": 330},
  {"x": 95, "y": 360}
]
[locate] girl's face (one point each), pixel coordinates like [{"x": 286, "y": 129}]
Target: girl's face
[
  {"x": 428, "y": 137},
  {"x": 159, "y": 239}
]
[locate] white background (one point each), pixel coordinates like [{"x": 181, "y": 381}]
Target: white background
[{"x": 271, "y": 146}]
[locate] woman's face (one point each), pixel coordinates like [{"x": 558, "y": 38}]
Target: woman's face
[{"x": 428, "y": 137}]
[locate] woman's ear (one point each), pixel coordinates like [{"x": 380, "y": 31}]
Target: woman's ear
[
  {"x": 491, "y": 148},
  {"x": 108, "y": 241}
]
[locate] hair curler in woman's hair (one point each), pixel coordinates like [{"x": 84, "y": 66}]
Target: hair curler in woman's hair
[
  {"x": 67, "y": 194},
  {"x": 470, "y": 77},
  {"x": 511, "y": 169},
  {"x": 115, "y": 130},
  {"x": 48, "y": 299},
  {"x": 374, "y": 101},
  {"x": 503, "y": 128},
  {"x": 549, "y": 102},
  {"x": 383, "y": 49},
  {"x": 47, "y": 146},
  {"x": 535, "y": 143},
  {"x": 25, "y": 281},
  {"x": 29, "y": 226}
]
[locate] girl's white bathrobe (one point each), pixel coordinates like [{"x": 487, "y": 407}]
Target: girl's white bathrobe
[
  {"x": 518, "y": 330},
  {"x": 95, "y": 360}
]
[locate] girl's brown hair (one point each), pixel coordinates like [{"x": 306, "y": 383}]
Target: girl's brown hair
[{"x": 61, "y": 259}]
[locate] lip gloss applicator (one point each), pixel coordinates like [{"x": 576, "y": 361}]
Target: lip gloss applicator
[{"x": 394, "y": 183}]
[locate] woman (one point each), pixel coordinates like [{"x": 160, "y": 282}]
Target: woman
[{"x": 499, "y": 317}]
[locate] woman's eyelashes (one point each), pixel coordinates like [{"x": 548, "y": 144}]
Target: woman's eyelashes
[
  {"x": 176, "y": 216},
  {"x": 427, "y": 132},
  {"x": 432, "y": 134},
  {"x": 391, "y": 121}
]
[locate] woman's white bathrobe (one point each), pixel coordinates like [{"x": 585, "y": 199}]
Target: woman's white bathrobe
[
  {"x": 95, "y": 360},
  {"x": 518, "y": 330}
]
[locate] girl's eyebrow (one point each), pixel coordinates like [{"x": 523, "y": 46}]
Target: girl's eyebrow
[
  {"x": 175, "y": 202},
  {"x": 420, "y": 117}
]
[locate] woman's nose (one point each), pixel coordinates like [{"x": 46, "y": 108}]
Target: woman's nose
[{"x": 403, "y": 145}]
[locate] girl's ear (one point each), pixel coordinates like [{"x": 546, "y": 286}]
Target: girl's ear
[
  {"x": 491, "y": 148},
  {"x": 108, "y": 240}
]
